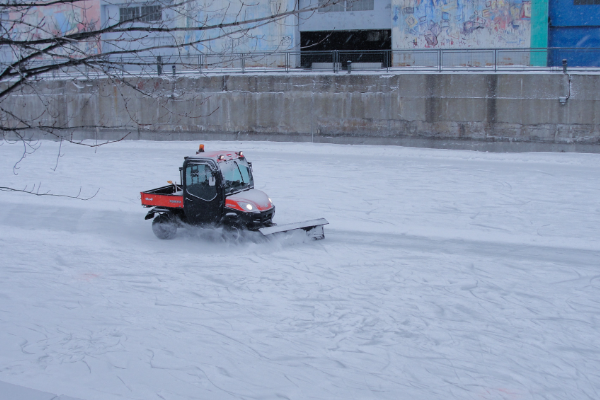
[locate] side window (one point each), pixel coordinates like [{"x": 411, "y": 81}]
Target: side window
[
  {"x": 245, "y": 173},
  {"x": 199, "y": 182}
]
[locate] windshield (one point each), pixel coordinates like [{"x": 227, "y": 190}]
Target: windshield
[{"x": 237, "y": 176}]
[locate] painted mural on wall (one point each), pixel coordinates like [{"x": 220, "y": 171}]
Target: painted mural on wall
[
  {"x": 277, "y": 36},
  {"x": 461, "y": 23},
  {"x": 60, "y": 20}
]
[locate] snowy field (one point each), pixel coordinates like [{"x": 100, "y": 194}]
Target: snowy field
[{"x": 443, "y": 275}]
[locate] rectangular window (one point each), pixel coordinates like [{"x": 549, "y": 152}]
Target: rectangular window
[
  {"x": 128, "y": 13},
  {"x": 360, "y": 5},
  {"x": 151, "y": 14},
  {"x": 349, "y": 5},
  {"x": 586, "y": 2},
  {"x": 143, "y": 13},
  {"x": 331, "y": 5}
]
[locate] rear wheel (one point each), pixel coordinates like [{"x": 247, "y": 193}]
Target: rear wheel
[{"x": 164, "y": 226}]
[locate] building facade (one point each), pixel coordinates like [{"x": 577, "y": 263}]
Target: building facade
[
  {"x": 366, "y": 25},
  {"x": 205, "y": 16}
]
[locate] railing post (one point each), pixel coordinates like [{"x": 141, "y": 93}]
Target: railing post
[
  {"x": 243, "y": 63},
  {"x": 335, "y": 58},
  {"x": 439, "y": 60},
  {"x": 199, "y": 62},
  {"x": 495, "y": 60},
  {"x": 388, "y": 60},
  {"x": 159, "y": 66},
  {"x": 287, "y": 61},
  {"x": 174, "y": 69},
  {"x": 349, "y": 66}
]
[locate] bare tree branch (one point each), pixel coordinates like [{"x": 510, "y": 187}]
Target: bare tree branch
[
  {"x": 34, "y": 46},
  {"x": 36, "y": 192}
]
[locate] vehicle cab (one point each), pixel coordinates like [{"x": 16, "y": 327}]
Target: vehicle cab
[{"x": 218, "y": 188}]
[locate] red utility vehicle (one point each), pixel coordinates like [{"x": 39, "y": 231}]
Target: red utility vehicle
[{"x": 217, "y": 189}]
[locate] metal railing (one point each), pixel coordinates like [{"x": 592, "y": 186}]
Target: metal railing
[{"x": 397, "y": 61}]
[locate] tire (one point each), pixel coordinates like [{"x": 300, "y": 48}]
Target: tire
[
  {"x": 231, "y": 232},
  {"x": 164, "y": 226}
]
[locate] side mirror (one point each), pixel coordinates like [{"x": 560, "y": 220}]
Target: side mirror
[{"x": 212, "y": 180}]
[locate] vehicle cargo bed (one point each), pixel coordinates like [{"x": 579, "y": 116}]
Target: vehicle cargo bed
[{"x": 166, "y": 196}]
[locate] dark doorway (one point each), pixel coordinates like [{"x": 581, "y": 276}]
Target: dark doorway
[{"x": 372, "y": 46}]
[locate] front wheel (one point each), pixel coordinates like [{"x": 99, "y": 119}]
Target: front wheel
[{"x": 164, "y": 226}]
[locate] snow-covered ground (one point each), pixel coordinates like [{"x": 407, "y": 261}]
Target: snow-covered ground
[{"x": 443, "y": 275}]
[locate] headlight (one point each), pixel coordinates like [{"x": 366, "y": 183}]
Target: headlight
[{"x": 245, "y": 205}]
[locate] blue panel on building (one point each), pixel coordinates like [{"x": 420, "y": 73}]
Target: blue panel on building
[
  {"x": 574, "y": 23},
  {"x": 575, "y": 37},
  {"x": 568, "y": 13}
]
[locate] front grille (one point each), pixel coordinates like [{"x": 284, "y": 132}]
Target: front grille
[{"x": 264, "y": 217}]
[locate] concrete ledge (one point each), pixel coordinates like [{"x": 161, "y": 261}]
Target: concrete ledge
[
  {"x": 328, "y": 66},
  {"x": 366, "y": 66},
  {"x": 486, "y": 112}
]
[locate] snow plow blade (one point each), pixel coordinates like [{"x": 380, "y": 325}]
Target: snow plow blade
[{"x": 314, "y": 228}]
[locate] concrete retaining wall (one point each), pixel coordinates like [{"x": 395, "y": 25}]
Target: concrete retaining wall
[{"x": 502, "y": 112}]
